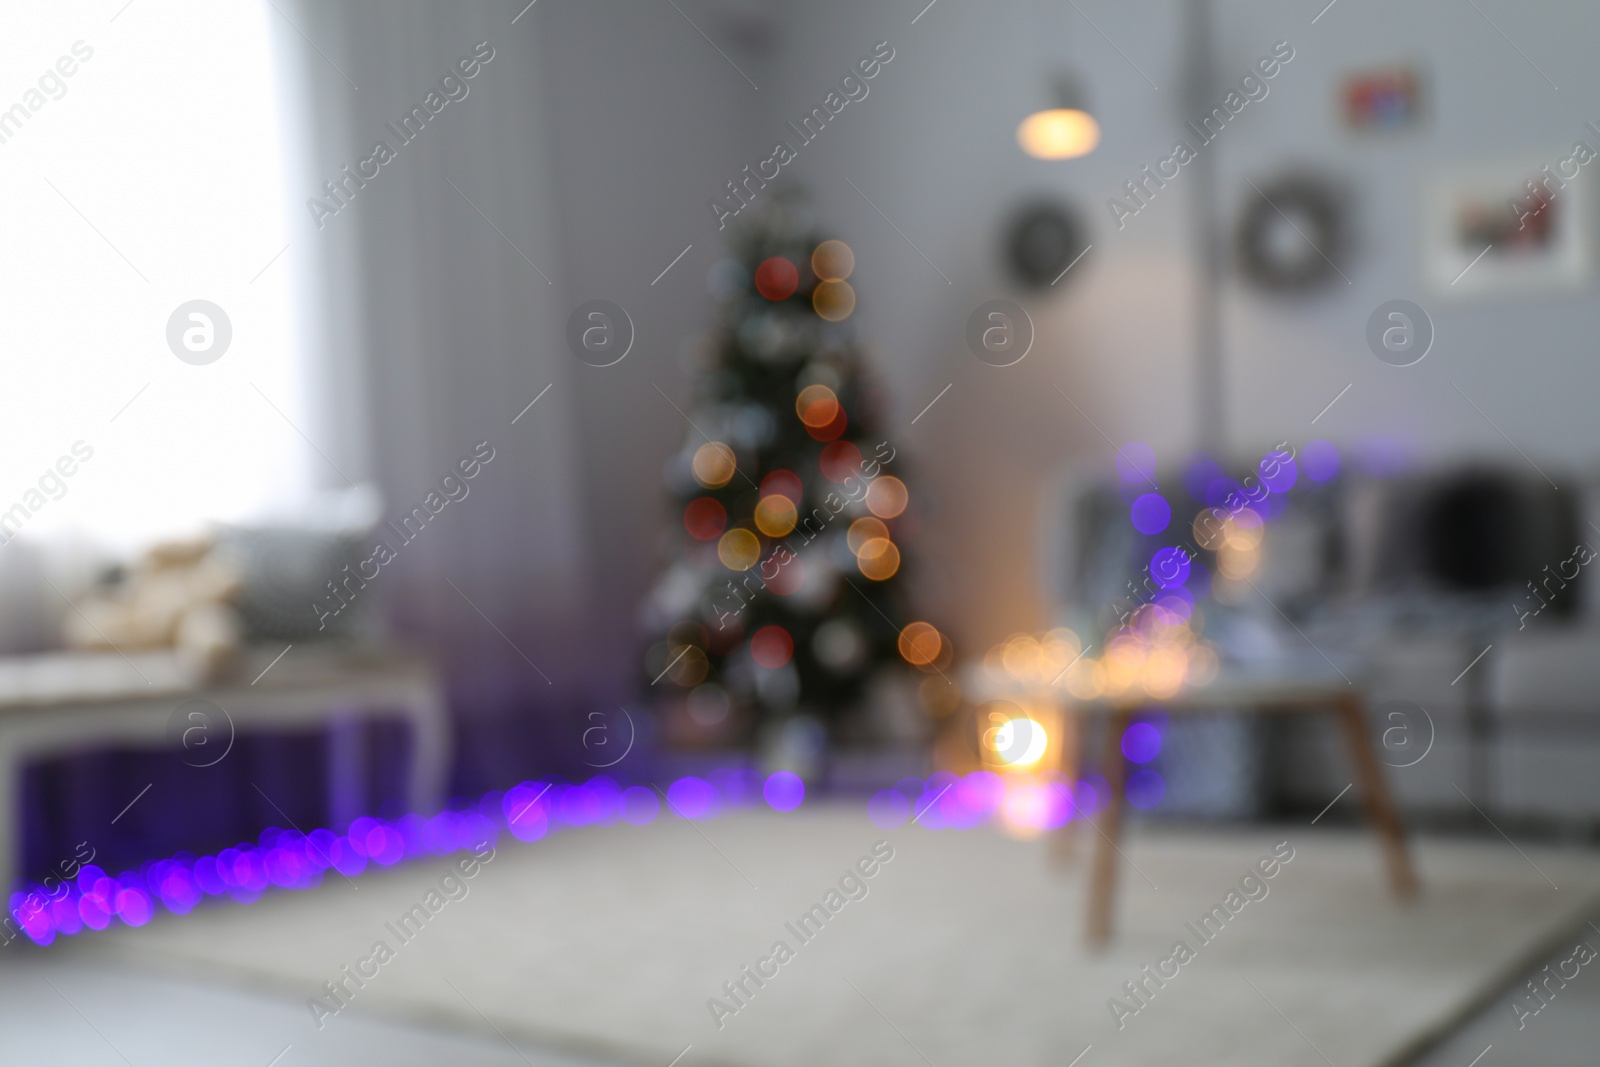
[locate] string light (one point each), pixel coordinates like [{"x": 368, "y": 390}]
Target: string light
[
  {"x": 288, "y": 860},
  {"x": 878, "y": 559},
  {"x": 863, "y": 530},
  {"x": 739, "y": 549},
  {"x": 919, "y": 644},
  {"x": 713, "y": 464},
  {"x": 887, "y": 496},
  {"x": 833, "y": 301},
  {"x": 817, "y": 406},
  {"x": 832, "y": 261},
  {"x": 775, "y": 515}
]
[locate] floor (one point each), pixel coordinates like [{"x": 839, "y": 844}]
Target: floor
[
  {"x": 67, "y": 1014},
  {"x": 76, "y": 1015},
  {"x": 1565, "y": 1033},
  {"x": 82, "y": 1006}
]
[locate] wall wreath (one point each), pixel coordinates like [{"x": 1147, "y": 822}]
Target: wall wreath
[
  {"x": 1291, "y": 234},
  {"x": 1042, "y": 240}
]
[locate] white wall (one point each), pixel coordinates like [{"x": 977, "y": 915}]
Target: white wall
[
  {"x": 642, "y": 120},
  {"x": 933, "y": 146},
  {"x": 1528, "y": 363}
]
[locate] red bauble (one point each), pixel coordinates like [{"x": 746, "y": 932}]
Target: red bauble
[
  {"x": 705, "y": 519},
  {"x": 777, "y": 278},
  {"x": 840, "y": 460},
  {"x": 833, "y": 430},
  {"x": 771, "y": 647}
]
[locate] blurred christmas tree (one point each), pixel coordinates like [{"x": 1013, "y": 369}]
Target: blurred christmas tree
[{"x": 784, "y": 603}]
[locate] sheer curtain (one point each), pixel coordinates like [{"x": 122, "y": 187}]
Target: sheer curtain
[{"x": 436, "y": 318}]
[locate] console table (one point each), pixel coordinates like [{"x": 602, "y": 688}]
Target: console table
[{"x": 58, "y": 703}]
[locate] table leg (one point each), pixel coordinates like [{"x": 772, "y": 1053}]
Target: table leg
[
  {"x": 430, "y": 751},
  {"x": 1381, "y": 811},
  {"x": 348, "y": 782},
  {"x": 1063, "y": 841},
  {"x": 1103, "y": 877},
  {"x": 10, "y": 834}
]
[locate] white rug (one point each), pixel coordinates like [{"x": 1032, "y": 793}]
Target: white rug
[{"x": 608, "y": 942}]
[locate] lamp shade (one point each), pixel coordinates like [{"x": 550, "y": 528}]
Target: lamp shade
[{"x": 1065, "y": 131}]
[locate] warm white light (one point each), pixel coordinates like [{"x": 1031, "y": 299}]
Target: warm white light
[
  {"x": 1060, "y": 133},
  {"x": 1020, "y": 742}
]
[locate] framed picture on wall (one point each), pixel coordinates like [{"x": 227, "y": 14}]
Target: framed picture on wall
[
  {"x": 1382, "y": 100},
  {"x": 1520, "y": 231}
]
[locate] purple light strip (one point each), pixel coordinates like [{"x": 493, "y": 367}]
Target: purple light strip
[{"x": 288, "y": 859}]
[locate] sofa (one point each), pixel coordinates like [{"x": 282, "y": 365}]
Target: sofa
[{"x": 1456, "y": 593}]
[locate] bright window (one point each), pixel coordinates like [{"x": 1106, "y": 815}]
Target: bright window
[{"x": 141, "y": 168}]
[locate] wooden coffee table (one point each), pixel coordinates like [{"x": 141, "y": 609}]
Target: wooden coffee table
[{"x": 1255, "y": 693}]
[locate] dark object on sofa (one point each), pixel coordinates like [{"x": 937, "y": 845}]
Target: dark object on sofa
[
  {"x": 1484, "y": 530},
  {"x": 1471, "y": 533}
]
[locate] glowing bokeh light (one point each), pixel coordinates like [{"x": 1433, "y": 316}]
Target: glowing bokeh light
[
  {"x": 133, "y": 907},
  {"x": 713, "y": 464},
  {"x": 1169, "y": 567},
  {"x": 1019, "y": 741},
  {"x": 525, "y": 816},
  {"x": 981, "y": 792},
  {"x": 1219, "y": 491},
  {"x": 1145, "y": 789},
  {"x": 1176, "y": 604},
  {"x": 788, "y": 574},
  {"x": 775, "y": 515},
  {"x": 1210, "y": 528},
  {"x": 784, "y": 483},
  {"x": 1018, "y": 802},
  {"x": 833, "y": 301},
  {"x": 833, "y": 430},
  {"x": 863, "y": 530},
  {"x": 817, "y": 405},
  {"x": 640, "y": 806},
  {"x": 1141, "y": 742},
  {"x": 739, "y": 549},
  {"x": 1277, "y": 471},
  {"x": 878, "y": 559},
  {"x": 771, "y": 647},
  {"x": 1091, "y": 794},
  {"x": 705, "y": 519},
  {"x": 1058, "y": 133},
  {"x": 686, "y": 665},
  {"x": 839, "y": 461},
  {"x": 1238, "y": 562},
  {"x": 833, "y": 261},
  {"x": 1151, "y": 513},
  {"x": 920, "y": 643},
  {"x": 777, "y": 278},
  {"x": 692, "y": 798},
  {"x": 887, "y": 496},
  {"x": 783, "y": 791}
]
